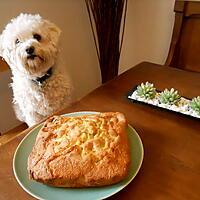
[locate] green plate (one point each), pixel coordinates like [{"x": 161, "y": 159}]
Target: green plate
[{"x": 41, "y": 191}]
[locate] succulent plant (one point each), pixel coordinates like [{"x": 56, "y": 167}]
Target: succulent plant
[
  {"x": 147, "y": 90},
  {"x": 169, "y": 96},
  {"x": 195, "y": 104}
]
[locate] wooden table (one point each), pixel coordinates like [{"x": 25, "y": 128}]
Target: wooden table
[{"x": 171, "y": 166}]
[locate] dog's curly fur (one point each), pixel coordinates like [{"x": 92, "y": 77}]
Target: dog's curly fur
[{"x": 35, "y": 101}]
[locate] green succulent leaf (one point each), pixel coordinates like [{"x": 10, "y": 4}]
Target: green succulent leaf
[
  {"x": 195, "y": 104},
  {"x": 147, "y": 90},
  {"x": 169, "y": 96}
]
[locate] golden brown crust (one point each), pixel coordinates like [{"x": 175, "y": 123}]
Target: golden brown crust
[{"x": 81, "y": 151}]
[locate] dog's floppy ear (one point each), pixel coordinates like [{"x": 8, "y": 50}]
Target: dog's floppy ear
[{"x": 54, "y": 31}]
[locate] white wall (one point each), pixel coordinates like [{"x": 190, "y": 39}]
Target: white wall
[
  {"x": 148, "y": 33},
  {"x": 147, "y": 37}
]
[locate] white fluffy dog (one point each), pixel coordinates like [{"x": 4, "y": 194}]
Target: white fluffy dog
[{"x": 29, "y": 44}]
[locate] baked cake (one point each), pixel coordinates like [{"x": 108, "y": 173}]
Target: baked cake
[{"x": 81, "y": 151}]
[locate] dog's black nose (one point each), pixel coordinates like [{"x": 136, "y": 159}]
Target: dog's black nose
[{"x": 30, "y": 50}]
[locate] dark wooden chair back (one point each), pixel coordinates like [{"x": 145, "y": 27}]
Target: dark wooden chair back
[
  {"x": 184, "y": 51},
  {"x": 3, "y": 65}
]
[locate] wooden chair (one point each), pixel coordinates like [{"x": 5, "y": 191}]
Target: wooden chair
[
  {"x": 184, "y": 50},
  {"x": 3, "y": 65}
]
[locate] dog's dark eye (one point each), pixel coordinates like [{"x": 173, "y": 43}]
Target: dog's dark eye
[
  {"x": 17, "y": 41},
  {"x": 37, "y": 37}
]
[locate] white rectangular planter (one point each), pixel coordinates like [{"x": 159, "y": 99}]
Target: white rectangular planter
[{"x": 182, "y": 106}]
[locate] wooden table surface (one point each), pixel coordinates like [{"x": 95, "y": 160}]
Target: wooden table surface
[{"x": 171, "y": 166}]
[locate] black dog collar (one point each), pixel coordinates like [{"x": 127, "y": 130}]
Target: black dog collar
[{"x": 40, "y": 80}]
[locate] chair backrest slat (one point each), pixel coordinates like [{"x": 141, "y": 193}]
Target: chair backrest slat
[{"x": 184, "y": 50}]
